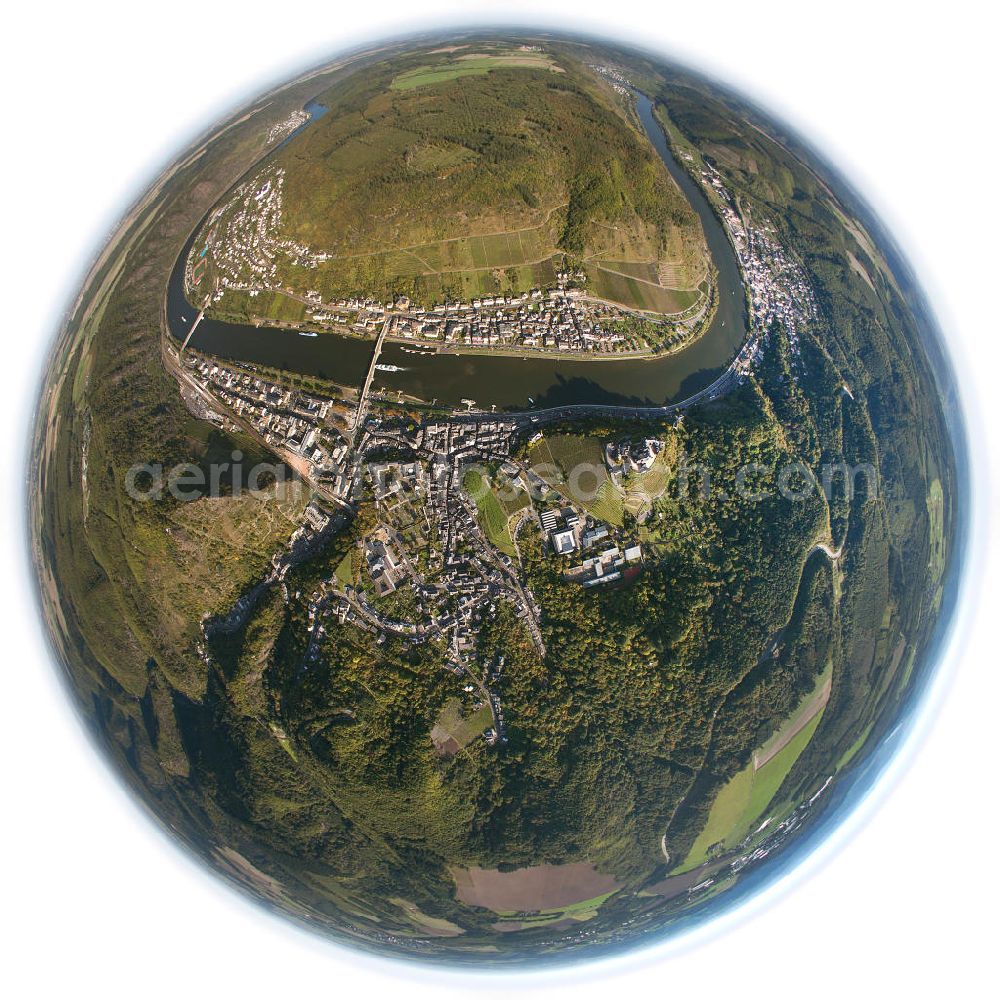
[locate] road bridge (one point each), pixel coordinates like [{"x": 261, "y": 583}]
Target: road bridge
[
  {"x": 359, "y": 416},
  {"x": 194, "y": 326}
]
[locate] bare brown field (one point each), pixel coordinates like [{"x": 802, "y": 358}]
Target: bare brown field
[{"x": 541, "y": 887}]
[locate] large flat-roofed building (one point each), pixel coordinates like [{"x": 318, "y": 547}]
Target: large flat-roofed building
[
  {"x": 563, "y": 541},
  {"x": 594, "y": 535}
]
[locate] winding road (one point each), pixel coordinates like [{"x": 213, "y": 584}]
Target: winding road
[{"x": 538, "y": 418}]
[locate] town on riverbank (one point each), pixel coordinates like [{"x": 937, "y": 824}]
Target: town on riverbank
[
  {"x": 443, "y": 548},
  {"x": 564, "y": 317}
]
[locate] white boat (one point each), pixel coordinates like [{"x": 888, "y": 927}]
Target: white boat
[
  {"x": 307, "y": 333},
  {"x": 389, "y": 368}
]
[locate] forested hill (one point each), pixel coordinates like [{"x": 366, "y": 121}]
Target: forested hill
[
  {"x": 470, "y": 154},
  {"x": 418, "y": 157}
]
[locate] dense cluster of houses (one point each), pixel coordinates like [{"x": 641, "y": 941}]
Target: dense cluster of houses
[
  {"x": 777, "y": 285},
  {"x": 291, "y": 421},
  {"x": 242, "y": 239},
  {"x": 461, "y": 442},
  {"x": 385, "y": 565},
  {"x": 459, "y": 578},
  {"x": 558, "y": 319},
  {"x": 455, "y": 578},
  {"x": 617, "y": 79},
  {"x": 284, "y": 128}
]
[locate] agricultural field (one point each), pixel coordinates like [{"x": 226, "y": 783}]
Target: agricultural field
[
  {"x": 424, "y": 922},
  {"x": 492, "y": 515},
  {"x": 240, "y": 307},
  {"x": 643, "y": 488},
  {"x": 469, "y": 64},
  {"x": 935, "y": 511},
  {"x": 565, "y": 916},
  {"x": 568, "y": 454},
  {"x": 807, "y": 710},
  {"x": 743, "y": 800},
  {"x": 536, "y": 889},
  {"x": 454, "y": 730},
  {"x": 608, "y": 505},
  {"x": 605, "y": 283},
  {"x": 850, "y": 753},
  {"x": 345, "y": 570},
  {"x": 464, "y": 267}
]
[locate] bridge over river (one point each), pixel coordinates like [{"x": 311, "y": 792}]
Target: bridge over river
[{"x": 551, "y": 387}]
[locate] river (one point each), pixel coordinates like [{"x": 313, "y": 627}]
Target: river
[{"x": 506, "y": 382}]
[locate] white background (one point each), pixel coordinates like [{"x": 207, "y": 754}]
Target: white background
[{"x": 96, "y": 97}]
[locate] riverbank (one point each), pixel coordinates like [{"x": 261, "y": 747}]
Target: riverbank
[
  {"x": 512, "y": 380},
  {"x": 429, "y": 348},
  {"x": 663, "y": 333}
]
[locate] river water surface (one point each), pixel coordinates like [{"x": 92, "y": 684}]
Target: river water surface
[{"x": 506, "y": 382}]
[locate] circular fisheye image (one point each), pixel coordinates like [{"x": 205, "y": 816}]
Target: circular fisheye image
[{"x": 498, "y": 499}]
